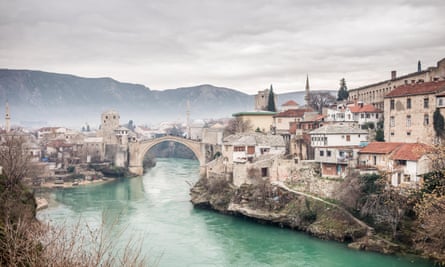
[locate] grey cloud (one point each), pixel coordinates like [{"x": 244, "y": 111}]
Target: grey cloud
[{"x": 240, "y": 44}]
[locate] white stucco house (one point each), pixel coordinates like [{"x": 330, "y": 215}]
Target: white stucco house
[{"x": 336, "y": 147}]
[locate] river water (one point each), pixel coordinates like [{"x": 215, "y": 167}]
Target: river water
[{"x": 155, "y": 211}]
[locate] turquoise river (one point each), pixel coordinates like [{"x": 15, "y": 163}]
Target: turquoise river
[{"x": 155, "y": 210}]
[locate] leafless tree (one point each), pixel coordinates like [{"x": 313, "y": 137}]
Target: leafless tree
[
  {"x": 238, "y": 125},
  {"x": 14, "y": 159},
  {"x": 320, "y": 100}
]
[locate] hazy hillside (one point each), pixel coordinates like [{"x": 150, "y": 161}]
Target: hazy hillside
[{"x": 37, "y": 97}]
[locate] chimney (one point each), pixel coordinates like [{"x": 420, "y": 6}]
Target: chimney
[
  {"x": 393, "y": 74},
  {"x": 419, "y": 66}
]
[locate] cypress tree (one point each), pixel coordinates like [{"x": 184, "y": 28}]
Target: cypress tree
[
  {"x": 271, "y": 102},
  {"x": 343, "y": 93},
  {"x": 438, "y": 123}
]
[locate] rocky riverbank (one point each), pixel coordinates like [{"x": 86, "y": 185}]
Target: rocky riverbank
[{"x": 278, "y": 205}]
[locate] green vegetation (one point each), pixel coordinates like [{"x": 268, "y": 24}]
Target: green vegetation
[
  {"x": 438, "y": 123},
  {"x": 70, "y": 169},
  {"x": 379, "y": 133},
  {"x": 343, "y": 93},
  {"x": 271, "y": 100},
  {"x": 368, "y": 125}
]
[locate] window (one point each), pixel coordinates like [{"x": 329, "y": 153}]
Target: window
[
  {"x": 328, "y": 153},
  {"x": 408, "y": 121},
  {"x": 391, "y": 121},
  {"x": 425, "y": 103},
  {"x": 376, "y": 115},
  {"x": 368, "y": 115},
  {"x": 321, "y": 153},
  {"x": 408, "y": 133},
  {"x": 362, "y": 115},
  {"x": 264, "y": 172},
  {"x": 348, "y": 138},
  {"x": 250, "y": 150},
  {"x": 440, "y": 102},
  {"x": 408, "y": 103},
  {"x": 239, "y": 148},
  {"x": 391, "y": 104},
  {"x": 426, "y": 119}
]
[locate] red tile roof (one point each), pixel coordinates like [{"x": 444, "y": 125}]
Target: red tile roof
[
  {"x": 365, "y": 108},
  {"x": 293, "y": 112},
  {"x": 411, "y": 151},
  {"x": 290, "y": 103},
  {"x": 379, "y": 148},
  {"x": 417, "y": 89}
]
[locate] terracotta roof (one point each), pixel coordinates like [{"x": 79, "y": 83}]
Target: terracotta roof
[
  {"x": 379, "y": 148},
  {"x": 293, "y": 112},
  {"x": 363, "y": 108},
  {"x": 290, "y": 103},
  {"x": 417, "y": 89},
  {"x": 411, "y": 151}
]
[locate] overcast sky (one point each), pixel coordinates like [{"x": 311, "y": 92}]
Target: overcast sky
[{"x": 245, "y": 45}]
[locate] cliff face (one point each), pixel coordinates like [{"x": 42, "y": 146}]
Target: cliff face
[{"x": 270, "y": 203}]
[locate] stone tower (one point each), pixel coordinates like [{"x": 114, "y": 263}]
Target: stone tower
[
  {"x": 262, "y": 99},
  {"x": 7, "y": 119},
  {"x": 109, "y": 123},
  {"x": 307, "y": 97}
]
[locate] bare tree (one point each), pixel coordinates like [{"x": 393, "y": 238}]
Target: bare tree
[
  {"x": 14, "y": 159},
  {"x": 320, "y": 100},
  {"x": 238, "y": 125}
]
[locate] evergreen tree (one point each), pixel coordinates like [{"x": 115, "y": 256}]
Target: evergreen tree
[
  {"x": 271, "y": 103},
  {"x": 439, "y": 124},
  {"x": 343, "y": 93}
]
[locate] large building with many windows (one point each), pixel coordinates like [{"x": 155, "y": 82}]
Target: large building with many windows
[
  {"x": 375, "y": 93},
  {"x": 409, "y": 111}
]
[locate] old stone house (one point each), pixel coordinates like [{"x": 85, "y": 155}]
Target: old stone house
[
  {"x": 403, "y": 163},
  {"x": 409, "y": 112},
  {"x": 251, "y": 155}
]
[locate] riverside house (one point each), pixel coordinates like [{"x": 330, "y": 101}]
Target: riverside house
[{"x": 336, "y": 148}]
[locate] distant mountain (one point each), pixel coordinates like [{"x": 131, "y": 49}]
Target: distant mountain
[{"x": 61, "y": 99}]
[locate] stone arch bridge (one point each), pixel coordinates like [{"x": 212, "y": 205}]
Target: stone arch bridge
[{"x": 138, "y": 150}]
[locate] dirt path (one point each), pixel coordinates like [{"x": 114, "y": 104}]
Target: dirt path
[{"x": 370, "y": 231}]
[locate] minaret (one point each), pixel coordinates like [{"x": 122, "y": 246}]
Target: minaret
[
  {"x": 7, "y": 119},
  {"x": 307, "y": 97},
  {"x": 188, "y": 120}
]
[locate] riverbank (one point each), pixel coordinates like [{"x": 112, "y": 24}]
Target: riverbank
[
  {"x": 83, "y": 182},
  {"x": 43, "y": 203},
  {"x": 279, "y": 205}
]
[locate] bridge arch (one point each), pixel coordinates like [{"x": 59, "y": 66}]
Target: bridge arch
[{"x": 138, "y": 150}]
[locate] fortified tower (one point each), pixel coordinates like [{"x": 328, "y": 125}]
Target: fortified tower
[
  {"x": 262, "y": 99},
  {"x": 109, "y": 123}
]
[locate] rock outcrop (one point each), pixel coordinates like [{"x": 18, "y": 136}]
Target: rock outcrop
[{"x": 271, "y": 203}]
